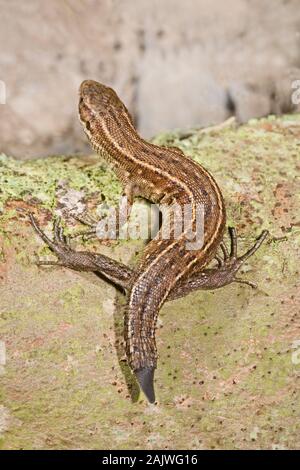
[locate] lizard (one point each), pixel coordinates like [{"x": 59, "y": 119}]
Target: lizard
[{"x": 168, "y": 268}]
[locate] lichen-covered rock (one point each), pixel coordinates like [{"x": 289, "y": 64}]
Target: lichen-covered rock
[{"x": 229, "y": 359}]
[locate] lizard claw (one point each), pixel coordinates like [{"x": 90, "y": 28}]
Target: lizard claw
[{"x": 145, "y": 377}]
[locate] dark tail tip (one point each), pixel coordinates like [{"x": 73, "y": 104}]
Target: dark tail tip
[{"x": 145, "y": 377}]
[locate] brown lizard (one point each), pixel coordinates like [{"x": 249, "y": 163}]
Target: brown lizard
[{"x": 168, "y": 268}]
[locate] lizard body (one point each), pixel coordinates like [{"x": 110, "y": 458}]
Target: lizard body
[{"x": 158, "y": 174}]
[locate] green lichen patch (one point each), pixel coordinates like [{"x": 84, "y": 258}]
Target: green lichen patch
[{"x": 38, "y": 180}]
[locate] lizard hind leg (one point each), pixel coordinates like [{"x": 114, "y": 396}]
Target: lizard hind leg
[
  {"x": 221, "y": 275},
  {"x": 113, "y": 270}
]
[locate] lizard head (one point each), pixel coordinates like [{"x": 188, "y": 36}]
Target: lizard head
[
  {"x": 98, "y": 104},
  {"x": 95, "y": 99}
]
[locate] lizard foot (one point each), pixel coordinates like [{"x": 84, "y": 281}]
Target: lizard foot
[
  {"x": 67, "y": 257},
  {"x": 230, "y": 263}
]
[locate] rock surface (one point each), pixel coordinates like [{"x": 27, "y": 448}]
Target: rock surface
[{"x": 229, "y": 359}]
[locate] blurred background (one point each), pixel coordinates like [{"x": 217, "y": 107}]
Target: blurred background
[{"x": 176, "y": 64}]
